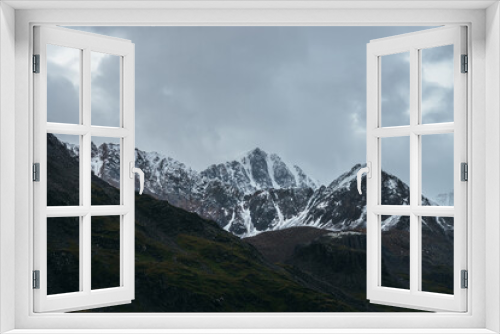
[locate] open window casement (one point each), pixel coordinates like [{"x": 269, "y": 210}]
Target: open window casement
[
  {"x": 70, "y": 232},
  {"x": 406, "y": 121}
]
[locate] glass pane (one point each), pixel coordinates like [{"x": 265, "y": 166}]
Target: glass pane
[
  {"x": 437, "y": 84},
  {"x": 437, "y": 254},
  {"x": 63, "y": 255},
  {"x": 105, "y": 252},
  {"x": 105, "y": 89},
  {"x": 395, "y": 89},
  {"x": 63, "y": 170},
  {"x": 105, "y": 171},
  {"x": 395, "y": 251},
  {"x": 437, "y": 169},
  {"x": 395, "y": 178},
  {"x": 63, "y": 84}
]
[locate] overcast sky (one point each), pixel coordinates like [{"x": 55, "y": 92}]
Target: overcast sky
[{"x": 205, "y": 95}]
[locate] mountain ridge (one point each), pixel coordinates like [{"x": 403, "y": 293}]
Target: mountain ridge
[{"x": 258, "y": 192}]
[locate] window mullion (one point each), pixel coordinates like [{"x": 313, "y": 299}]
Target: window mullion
[
  {"x": 85, "y": 177},
  {"x": 414, "y": 172},
  {"x": 85, "y": 255},
  {"x": 85, "y": 153}
]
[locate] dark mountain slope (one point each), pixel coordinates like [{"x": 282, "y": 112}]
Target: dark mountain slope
[
  {"x": 279, "y": 246},
  {"x": 201, "y": 268},
  {"x": 332, "y": 261}
]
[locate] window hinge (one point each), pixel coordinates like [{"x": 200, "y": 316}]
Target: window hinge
[
  {"x": 36, "y": 279},
  {"x": 465, "y": 64},
  {"x": 36, "y": 63},
  {"x": 464, "y": 171},
  {"x": 36, "y": 172},
  {"x": 465, "y": 279}
]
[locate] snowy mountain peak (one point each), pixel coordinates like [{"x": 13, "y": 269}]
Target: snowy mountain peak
[
  {"x": 105, "y": 160},
  {"x": 258, "y": 170},
  {"x": 345, "y": 179},
  {"x": 256, "y": 152},
  {"x": 73, "y": 149}
]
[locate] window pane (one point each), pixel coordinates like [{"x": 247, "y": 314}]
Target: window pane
[
  {"x": 63, "y": 84},
  {"x": 437, "y": 84},
  {"x": 437, "y": 254},
  {"x": 395, "y": 89},
  {"x": 395, "y": 251},
  {"x": 105, "y": 171},
  {"x": 437, "y": 169},
  {"x": 63, "y": 255},
  {"x": 105, "y": 252},
  {"x": 63, "y": 170},
  {"x": 395, "y": 176},
  {"x": 105, "y": 89}
]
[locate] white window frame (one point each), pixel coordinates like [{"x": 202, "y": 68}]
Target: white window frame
[{"x": 482, "y": 19}]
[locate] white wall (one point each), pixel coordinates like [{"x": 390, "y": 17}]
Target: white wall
[
  {"x": 7, "y": 167},
  {"x": 492, "y": 165}
]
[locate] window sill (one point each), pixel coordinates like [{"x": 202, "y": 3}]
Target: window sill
[{"x": 251, "y": 331}]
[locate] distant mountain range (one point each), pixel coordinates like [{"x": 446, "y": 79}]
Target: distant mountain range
[
  {"x": 185, "y": 263},
  {"x": 258, "y": 192}
]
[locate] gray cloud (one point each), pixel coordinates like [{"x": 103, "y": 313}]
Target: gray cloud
[
  {"x": 395, "y": 157},
  {"x": 395, "y": 90},
  {"x": 105, "y": 90},
  {"x": 63, "y": 89},
  {"x": 437, "y": 84},
  {"x": 437, "y": 164},
  {"x": 207, "y": 94}
]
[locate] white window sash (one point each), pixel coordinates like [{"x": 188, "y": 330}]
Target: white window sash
[
  {"x": 86, "y": 298},
  {"x": 415, "y": 297}
]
